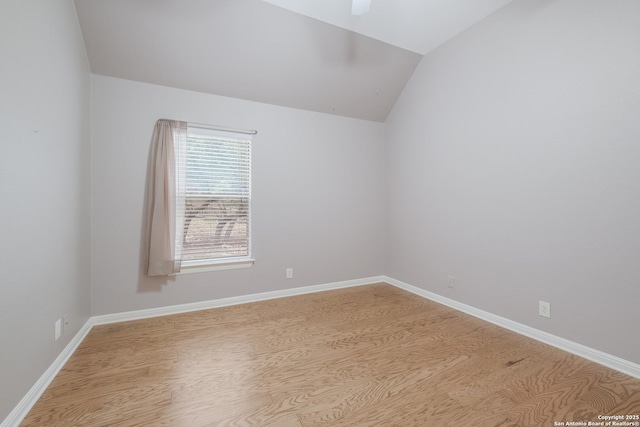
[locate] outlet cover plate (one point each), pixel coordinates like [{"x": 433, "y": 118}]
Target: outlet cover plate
[
  {"x": 58, "y": 329},
  {"x": 544, "y": 309},
  {"x": 451, "y": 282}
]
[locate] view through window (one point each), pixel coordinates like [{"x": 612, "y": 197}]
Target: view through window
[{"x": 217, "y": 196}]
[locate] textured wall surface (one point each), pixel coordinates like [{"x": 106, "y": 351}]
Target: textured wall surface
[
  {"x": 44, "y": 187},
  {"x": 514, "y": 166},
  {"x": 317, "y": 206}
]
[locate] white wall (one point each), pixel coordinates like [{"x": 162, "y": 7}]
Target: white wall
[
  {"x": 44, "y": 188},
  {"x": 514, "y": 166},
  {"x": 318, "y": 195}
]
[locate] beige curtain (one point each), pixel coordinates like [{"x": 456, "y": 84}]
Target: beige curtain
[{"x": 165, "y": 198}]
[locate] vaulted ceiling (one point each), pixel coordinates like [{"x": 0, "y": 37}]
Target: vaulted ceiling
[{"x": 310, "y": 54}]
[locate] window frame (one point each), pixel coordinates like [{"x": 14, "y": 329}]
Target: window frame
[{"x": 231, "y": 262}]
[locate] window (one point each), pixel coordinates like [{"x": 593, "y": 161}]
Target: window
[{"x": 215, "y": 204}]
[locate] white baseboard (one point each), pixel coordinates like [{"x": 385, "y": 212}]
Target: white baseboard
[
  {"x": 223, "y": 302},
  {"x": 23, "y": 407},
  {"x": 597, "y": 356}
]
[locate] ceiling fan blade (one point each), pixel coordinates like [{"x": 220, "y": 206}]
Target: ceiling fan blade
[{"x": 360, "y": 7}]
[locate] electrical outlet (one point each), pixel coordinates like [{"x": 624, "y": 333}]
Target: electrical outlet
[
  {"x": 544, "y": 309},
  {"x": 57, "y": 329},
  {"x": 451, "y": 282},
  {"x": 289, "y": 273}
]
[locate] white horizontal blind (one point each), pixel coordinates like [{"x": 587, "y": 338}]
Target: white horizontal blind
[{"x": 218, "y": 196}]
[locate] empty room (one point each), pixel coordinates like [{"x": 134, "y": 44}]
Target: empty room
[{"x": 320, "y": 213}]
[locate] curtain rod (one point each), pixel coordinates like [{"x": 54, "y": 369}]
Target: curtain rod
[{"x": 222, "y": 128}]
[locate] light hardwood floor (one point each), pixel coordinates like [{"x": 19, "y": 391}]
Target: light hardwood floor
[{"x": 366, "y": 356}]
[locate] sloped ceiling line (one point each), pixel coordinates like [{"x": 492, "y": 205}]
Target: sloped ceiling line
[{"x": 266, "y": 51}]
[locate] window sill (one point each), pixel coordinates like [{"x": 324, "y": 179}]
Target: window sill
[{"x": 189, "y": 267}]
